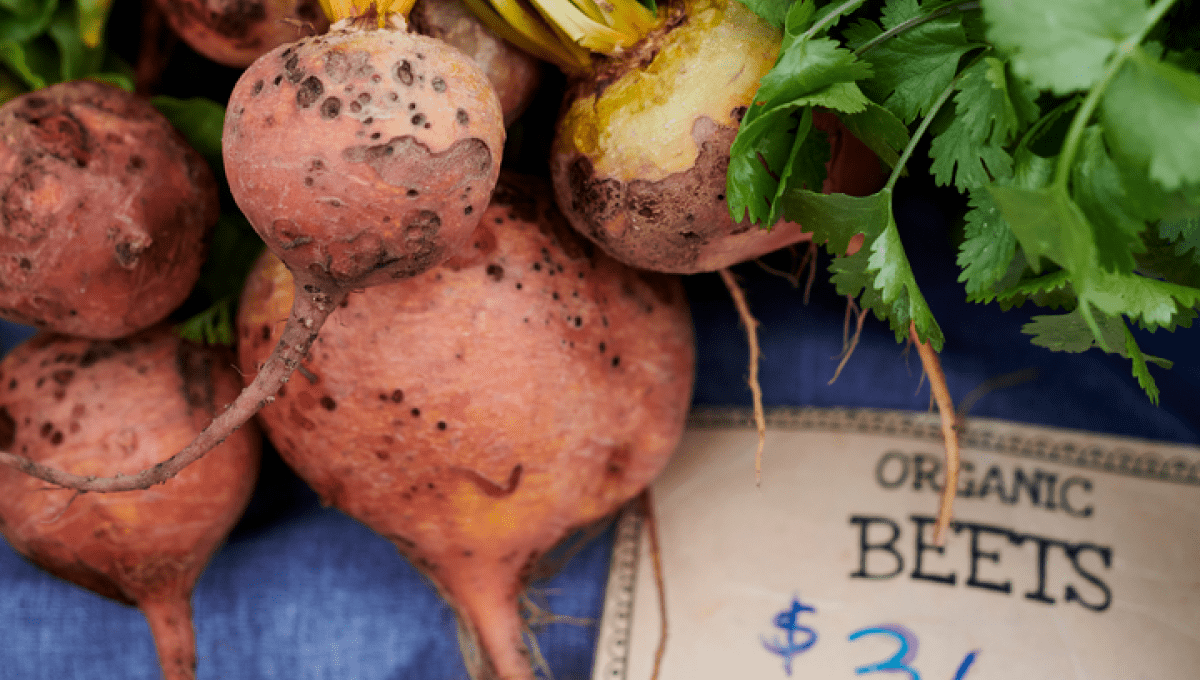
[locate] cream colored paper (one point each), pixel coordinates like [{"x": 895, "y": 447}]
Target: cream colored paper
[{"x": 1074, "y": 556}]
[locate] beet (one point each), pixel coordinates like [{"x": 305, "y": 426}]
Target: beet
[
  {"x": 475, "y": 414},
  {"x": 98, "y": 407},
  {"x": 105, "y": 209}
]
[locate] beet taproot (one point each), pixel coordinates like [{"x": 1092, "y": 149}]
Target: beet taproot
[
  {"x": 477, "y": 413},
  {"x": 105, "y": 407},
  {"x": 105, "y": 211}
]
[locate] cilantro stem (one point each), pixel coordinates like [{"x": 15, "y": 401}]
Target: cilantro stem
[
  {"x": 830, "y": 19},
  {"x": 914, "y": 22},
  {"x": 1083, "y": 115},
  {"x": 920, "y": 132}
]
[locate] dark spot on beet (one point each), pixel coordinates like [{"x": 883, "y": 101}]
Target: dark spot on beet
[
  {"x": 258, "y": 87},
  {"x": 330, "y": 108},
  {"x": 403, "y": 72},
  {"x": 63, "y": 376},
  {"x": 616, "y": 361},
  {"x": 135, "y": 163},
  {"x": 462, "y": 117},
  {"x": 195, "y": 367},
  {"x": 328, "y": 403},
  {"x": 56, "y": 438},
  {"x": 441, "y": 424},
  {"x": 418, "y": 119},
  {"x": 46, "y": 430},
  {"x": 309, "y": 92},
  {"x": 438, "y": 84},
  {"x": 309, "y": 181},
  {"x": 292, "y": 70},
  {"x": 495, "y": 271},
  {"x": 382, "y": 455},
  {"x": 8, "y": 429},
  {"x": 278, "y": 79},
  {"x": 354, "y": 107},
  {"x": 618, "y": 460},
  {"x": 25, "y": 264},
  {"x": 416, "y": 413}
]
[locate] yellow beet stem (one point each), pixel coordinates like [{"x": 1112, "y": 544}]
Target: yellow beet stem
[
  {"x": 336, "y": 10},
  {"x": 568, "y": 30},
  {"x": 524, "y": 27}
]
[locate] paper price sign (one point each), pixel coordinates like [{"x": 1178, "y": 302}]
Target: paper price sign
[{"x": 1072, "y": 556}]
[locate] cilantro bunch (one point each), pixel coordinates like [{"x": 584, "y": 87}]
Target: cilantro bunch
[{"x": 1071, "y": 126}]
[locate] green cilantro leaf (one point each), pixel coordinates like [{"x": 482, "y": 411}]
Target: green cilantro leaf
[
  {"x": 991, "y": 109},
  {"x": 880, "y": 130},
  {"x": 896, "y": 289},
  {"x": 774, "y": 11},
  {"x": 1062, "y": 45},
  {"x": 878, "y": 274},
  {"x": 1100, "y": 193},
  {"x": 1184, "y": 233},
  {"x": 773, "y": 141},
  {"x": 1052, "y": 291},
  {"x": 1072, "y": 332},
  {"x": 913, "y": 67},
  {"x": 1048, "y": 224},
  {"x": 988, "y": 246},
  {"x": 1151, "y": 114}
]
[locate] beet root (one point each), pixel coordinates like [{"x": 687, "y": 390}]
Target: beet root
[
  {"x": 236, "y": 32},
  {"x": 99, "y": 407},
  {"x": 105, "y": 211},
  {"x": 363, "y": 155},
  {"x": 641, "y": 151},
  {"x": 476, "y": 414},
  {"x": 513, "y": 73}
]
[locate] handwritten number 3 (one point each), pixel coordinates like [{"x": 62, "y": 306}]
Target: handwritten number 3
[
  {"x": 899, "y": 662},
  {"x": 907, "y": 651}
]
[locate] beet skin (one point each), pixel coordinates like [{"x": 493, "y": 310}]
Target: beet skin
[
  {"x": 97, "y": 407},
  {"x": 476, "y": 414},
  {"x": 105, "y": 211}
]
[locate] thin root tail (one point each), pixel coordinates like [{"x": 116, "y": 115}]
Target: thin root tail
[{"x": 309, "y": 310}]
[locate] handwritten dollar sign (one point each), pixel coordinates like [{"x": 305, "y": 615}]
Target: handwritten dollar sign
[{"x": 789, "y": 648}]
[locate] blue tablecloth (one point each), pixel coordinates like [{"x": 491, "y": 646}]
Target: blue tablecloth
[{"x": 301, "y": 592}]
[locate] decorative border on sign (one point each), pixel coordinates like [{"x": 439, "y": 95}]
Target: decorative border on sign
[
  {"x": 611, "y": 661},
  {"x": 1139, "y": 458}
]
